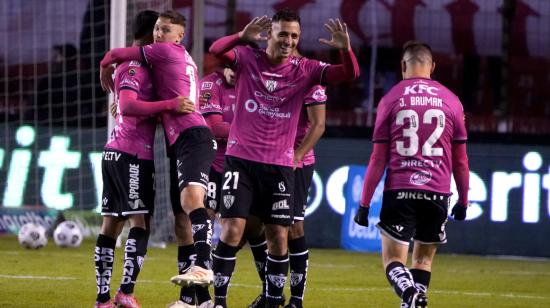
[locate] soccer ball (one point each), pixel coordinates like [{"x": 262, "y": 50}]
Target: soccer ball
[
  {"x": 67, "y": 234},
  {"x": 32, "y": 235}
]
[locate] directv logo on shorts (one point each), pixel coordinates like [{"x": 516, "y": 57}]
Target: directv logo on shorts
[
  {"x": 134, "y": 182},
  {"x": 415, "y": 195}
]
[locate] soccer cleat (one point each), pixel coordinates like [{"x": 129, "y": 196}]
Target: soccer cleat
[
  {"x": 108, "y": 304},
  {"x": 207, "y": 304},
  {"x": 195, "y": 275},
  {"x": 125, "y": 300},
  {"x": 260, "y": 301},
  {"x": 292, "y": 304},
  {"x": 418, "y": 300},
  {"x": 180, "y": 304}
]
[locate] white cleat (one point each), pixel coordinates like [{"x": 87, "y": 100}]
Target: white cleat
[
  {"x": 207, "y": 304},
  {"x": 180, "y": 304},
  {"x": 196, "y": 275}
]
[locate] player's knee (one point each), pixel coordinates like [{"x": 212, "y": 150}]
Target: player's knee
[
  {"x": 232, "y": 231},
  {"x": 192, "y": 197},
  {"x": 296, "y": 230},
  {"x": 277, "y": 243}
]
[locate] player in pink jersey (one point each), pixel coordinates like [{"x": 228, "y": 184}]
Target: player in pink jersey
[
  {"x": 258, "y": 172},
  {"x": 191, "y": 142},
  {"x": 128, "y": 171},
  {"x": 420, "y": 137}
]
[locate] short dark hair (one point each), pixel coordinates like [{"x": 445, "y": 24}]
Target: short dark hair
[
  {"x": 420, "y": 51},
  {"x": 286, "y": 14},
  {"x": 174, "y": 16},
  {"x": 144, "y": 23}
]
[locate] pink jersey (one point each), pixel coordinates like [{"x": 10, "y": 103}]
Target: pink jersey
[
  {"x": 421, "y": 119},
  {"x": 174, "y": 74},
  {"x": 134, "y": 135},
  {"x": 221, "y": 100},
  {"x": 315, "y": 96},
  {"x": 268, "y": 105}
]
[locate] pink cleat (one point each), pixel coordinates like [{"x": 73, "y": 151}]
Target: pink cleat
[
  {"x": 125, "y": 300},
  {"x": 108, "y": 304}
]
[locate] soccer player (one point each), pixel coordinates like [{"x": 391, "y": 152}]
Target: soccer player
[
  {"x": 189, "y": 138},
  {"x": 420, "y": 136},
  {"x": 311, "y": 127},
  {"x": 128, "y": 171},
  {"x": 217, "y": 100},
  {"x": 258, "y": 171}
]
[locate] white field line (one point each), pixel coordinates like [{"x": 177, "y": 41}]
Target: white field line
[{"x": 249, "y": 286}]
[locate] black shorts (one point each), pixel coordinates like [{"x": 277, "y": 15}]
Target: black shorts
[
  {"x": 417, "y": 214},
  {"x": 128, "y": 184},
  {"x": 190, "y": 159},
  {"x": 214, "y": 191},
  {"x": 260, "y": 189},
  {"x": 302, "y": 181}
]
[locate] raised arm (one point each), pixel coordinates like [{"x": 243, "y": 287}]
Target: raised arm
[
  {"x": 118, "y": 55},
  {"x": 222, "y": 48},
  {"x": 349, "y": 69}
]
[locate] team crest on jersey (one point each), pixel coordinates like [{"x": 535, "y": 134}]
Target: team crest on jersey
[
  {"x": 271, "y": 85},
  {"x": 228, "y": 201},
  {"x": 421, "y": 177},
  {"x": 207, "y": 85}
]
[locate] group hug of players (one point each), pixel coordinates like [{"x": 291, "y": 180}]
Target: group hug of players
[{"x": 240, "y": 143}]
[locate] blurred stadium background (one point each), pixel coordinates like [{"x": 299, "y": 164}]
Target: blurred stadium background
[{"x": 494, "y": 54}]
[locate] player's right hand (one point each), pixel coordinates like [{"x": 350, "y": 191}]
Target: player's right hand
[
  {"x": 185, "y": 105},
  {"x": 253, "y": 30},
  {"x": 362, "y": 216},
  {"x": 106, "y": 78},
  {"x": 459, "y": 211}
]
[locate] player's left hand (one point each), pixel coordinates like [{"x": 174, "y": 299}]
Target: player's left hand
[
  {"x": 459, "y": 211},
  {"x": 106, "y": 78},
  {"x": 185, "y": 105},
  {"x": 339, "y": 34},
  {"x": 362, "y": 216}
]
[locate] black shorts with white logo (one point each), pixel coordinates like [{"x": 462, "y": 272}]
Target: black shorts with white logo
[
  {"x": 302, "y": 181},
  {"x": 190, "y": 159},
  {"x": 253, "y": 188},
  {"x": 128, "y": 184},
  {"x": 195, "y": 150},
  {"x": 417, "y": 214},
  {"x": 214, "y": 191}
]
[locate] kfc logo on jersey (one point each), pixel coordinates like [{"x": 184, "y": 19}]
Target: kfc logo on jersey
[
  {"x": 420, "y": 89},
  {"x": 420, "y": 177},
  {"x": 207, "y": 85},
  {"x": 271, "y": 85}
]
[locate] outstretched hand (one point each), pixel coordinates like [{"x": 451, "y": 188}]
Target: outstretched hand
[
  {"x": 339, "y": 34},
  {"x": 254, "y": 29}
]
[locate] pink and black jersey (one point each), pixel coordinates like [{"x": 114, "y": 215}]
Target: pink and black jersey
[
  {"x": 315, "y": 96},
  {"x": 420, "y": 118},
  {"x": 220, "y": 99},
  {"x": 174, "y": 74},
  {"x": 268, "y": 105},
  {"x": 134, "y": 135}
]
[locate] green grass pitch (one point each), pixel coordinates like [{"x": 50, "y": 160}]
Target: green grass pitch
[{"x": 56, "y": 277}]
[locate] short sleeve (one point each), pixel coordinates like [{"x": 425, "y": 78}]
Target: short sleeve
[
  {"x": 156, "y": 53},
  {"x": 210, "y": 95},
  {"x": 316, "y": 96},
  {"x": 382, "y": 125},
  {"x": 131, "y": 77},
  {"x": 459, "y": 133}
]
